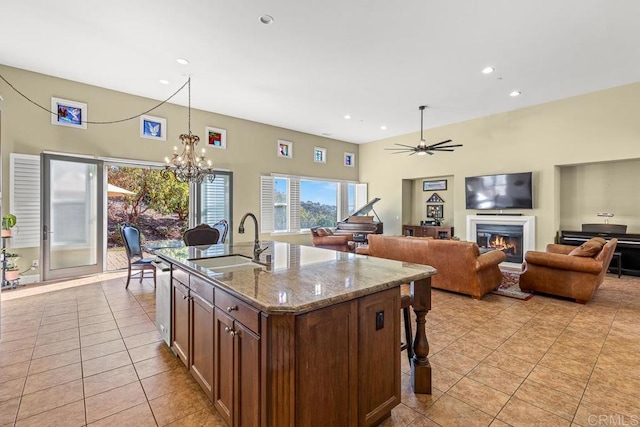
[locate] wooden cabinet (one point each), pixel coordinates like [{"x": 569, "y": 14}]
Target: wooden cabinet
[
  {"x": 180, "y": 321},
  {"x": 201, "y": 365},
  {"x": 436, "y": 232},
  {"x": 236, "y": 392},
  {"x": 192, "y": 328},
  {"x": 337, "y": 366}
]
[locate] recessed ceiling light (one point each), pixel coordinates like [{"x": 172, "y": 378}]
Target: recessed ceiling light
[
  {"x": 164, "y": 82},
  {"x": 515, "y": 93},
  {"x": 347, "y": 117},
  {"x": 487, "y": 70},
  {"x": 182, "y": 61},
  {"x": 266, "y": 19},
  {"x": 383, "y": 127}
]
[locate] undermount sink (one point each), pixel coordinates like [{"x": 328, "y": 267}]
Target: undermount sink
[{"x": 227, "y": 263}]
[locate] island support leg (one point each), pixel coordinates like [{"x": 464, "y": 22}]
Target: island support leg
[{"x": 420, "y": 367}]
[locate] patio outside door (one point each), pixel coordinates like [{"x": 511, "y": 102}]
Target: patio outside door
[{"x": 72, "y": 216}]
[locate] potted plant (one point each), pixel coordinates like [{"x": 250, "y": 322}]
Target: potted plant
[
  {"x": 8, "y": 222},
  {"x": 11, "y": 271}
]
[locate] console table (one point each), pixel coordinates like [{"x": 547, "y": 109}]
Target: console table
[{"x": 437, "y": 232}]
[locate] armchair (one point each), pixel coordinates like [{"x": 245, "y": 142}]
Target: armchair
[
  {"x": 324, "y": 238},
  {"x": 568, "y": 271}
]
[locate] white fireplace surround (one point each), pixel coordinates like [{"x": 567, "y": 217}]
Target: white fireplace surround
[{"x": 528, "y": 224}]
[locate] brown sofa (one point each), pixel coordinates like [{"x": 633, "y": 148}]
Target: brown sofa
[
  {"x": 460, "y": 266},
  {"x": 575, "y": 276},
  {"x": 322, "y": 237}
]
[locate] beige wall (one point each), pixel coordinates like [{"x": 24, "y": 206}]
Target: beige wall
[
  {"x": 251, "y": 146},
  {"x": 597, "y": 127},
  {"x": 603, "y": 187},
  {"x": 419, "y": 197}
]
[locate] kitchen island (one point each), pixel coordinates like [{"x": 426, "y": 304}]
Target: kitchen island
[{"x": 299, "y": 336}]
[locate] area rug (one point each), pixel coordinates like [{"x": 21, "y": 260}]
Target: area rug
[{"x": 509, "y": 286}]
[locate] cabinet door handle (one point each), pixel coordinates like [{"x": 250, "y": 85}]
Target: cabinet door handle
[{"x": 234, "y": 308}]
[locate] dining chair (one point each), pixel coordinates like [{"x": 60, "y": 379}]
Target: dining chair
[
  {"x": 223, "y": 228},
  {"x": 202, "y": 234},
  {"x": 135, "y": 260}
]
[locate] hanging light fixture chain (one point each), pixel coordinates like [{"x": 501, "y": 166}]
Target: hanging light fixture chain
[{"x": 110, "y": 122}]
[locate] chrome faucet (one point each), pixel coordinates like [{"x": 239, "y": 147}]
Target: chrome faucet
[{"x": 257, "y": 250}]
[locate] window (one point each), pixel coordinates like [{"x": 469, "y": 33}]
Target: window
[
  {"x": 318, "y": 203},
  {"x": 291, "y": 203}
]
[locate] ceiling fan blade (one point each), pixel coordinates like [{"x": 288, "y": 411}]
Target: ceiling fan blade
[
  {"x": 440, "y": 143},
  {"x": 450, "y": 146},
  {"x": 430, "y": 153},
  {"x": 413, "y": 153},
  {"x": 399, "y": 149},
  {"x": 408, "y": 146},
  {"x": 403, "y": 152},
  {"x": 441, "y": 149}
]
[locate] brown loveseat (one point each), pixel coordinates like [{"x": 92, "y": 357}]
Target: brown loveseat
[
  {"x": 460, "y": 266},
  {"x": 322, "y": 237},
  {"x": 568, "y": 271}
]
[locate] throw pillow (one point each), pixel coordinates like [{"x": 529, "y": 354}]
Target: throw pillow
[
  {"x": 329, "y": 231},
  {"x": 321, "y": 232},
  {"x": 589, "y": 248},
  {"x": 599, "y": 240}
]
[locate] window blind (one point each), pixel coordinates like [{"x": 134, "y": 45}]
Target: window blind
[{"x": 24, "y": 199}]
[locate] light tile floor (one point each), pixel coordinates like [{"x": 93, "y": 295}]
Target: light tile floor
[{"x": 85, "y": 352}]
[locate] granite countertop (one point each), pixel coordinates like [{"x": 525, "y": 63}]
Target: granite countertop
[{"x": 295, "y": 278}]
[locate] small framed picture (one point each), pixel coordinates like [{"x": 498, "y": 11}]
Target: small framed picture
[
  {"x": 153, "y": 128},
  {"x": 285, "y": 149},
  {"x": 440, "y": 184},
  {"x": 349, "y": 159},
  {"x": 319, "y": 155},
  {"x": 69, "y": 113},
  {"x": 216, "y": 138},
  {"x": 434, "y": 211}
]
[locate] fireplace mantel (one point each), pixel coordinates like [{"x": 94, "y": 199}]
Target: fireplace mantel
[{"x": 528, "y": 224}]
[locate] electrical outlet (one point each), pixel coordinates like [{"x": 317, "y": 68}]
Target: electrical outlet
[{"x": 35, "y": 263}]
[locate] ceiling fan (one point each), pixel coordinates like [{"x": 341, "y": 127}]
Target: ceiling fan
[{"x": 422, "y": 148}]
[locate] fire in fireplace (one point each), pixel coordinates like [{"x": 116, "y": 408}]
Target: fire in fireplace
[{"x": 506, "y": 238}]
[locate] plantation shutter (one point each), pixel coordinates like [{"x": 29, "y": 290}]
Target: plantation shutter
[
  {"x": 215, "y": 203},
  {"x": 266, "y": 204},
  {"x": 24, "y": 199},
  {"x": 343, "y": 200},
  {"x": 294, "y": 204},
  {"x": 361, "y": 195}
]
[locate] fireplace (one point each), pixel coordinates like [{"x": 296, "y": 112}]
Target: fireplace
[
  {"x": 513, "y": 234},
  {"x": 505, "y": 238}
]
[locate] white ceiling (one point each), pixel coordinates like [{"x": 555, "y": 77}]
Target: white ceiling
[{"x": 375, "y": 60}]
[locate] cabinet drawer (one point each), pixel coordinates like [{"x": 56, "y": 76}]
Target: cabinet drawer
[
  {"x": 202, "y": 288},
  {"x": 181, "y": 276},
  {"x": 242, "y": 312}
]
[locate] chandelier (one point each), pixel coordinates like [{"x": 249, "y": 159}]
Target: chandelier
[{"x": 189, "y": 166}]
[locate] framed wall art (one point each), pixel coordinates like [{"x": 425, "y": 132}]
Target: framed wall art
[
  {"x": 434, "y": 211},
  {"x": 69, "y": 113},
  {"x": 440, "y": 184},
  {"x": 216, "y": 138},
  {"x": 153, "y": 127},
  {"x": 319, "y": 155},
  {"x": 349, "y": 159},
  {"x": 285, "y": 149}
]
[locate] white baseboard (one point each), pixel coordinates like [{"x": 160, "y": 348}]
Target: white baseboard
[{"x": 29, "y": 278}]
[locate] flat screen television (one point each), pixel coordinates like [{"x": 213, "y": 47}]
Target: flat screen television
[{"x": 505, "y": 191}]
